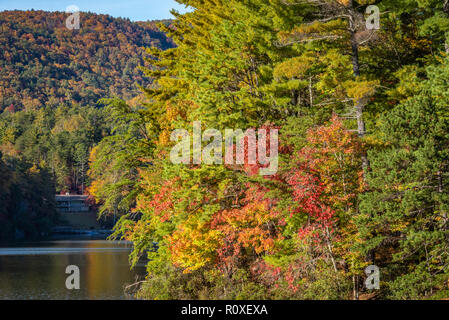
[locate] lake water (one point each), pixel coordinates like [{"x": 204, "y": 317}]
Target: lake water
[{"x": 36, "y": 270}]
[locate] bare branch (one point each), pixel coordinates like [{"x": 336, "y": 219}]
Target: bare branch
[{"x": 279, "y": 44}]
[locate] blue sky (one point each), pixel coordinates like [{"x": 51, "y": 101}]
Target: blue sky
[{"x": 136, "y": 10}]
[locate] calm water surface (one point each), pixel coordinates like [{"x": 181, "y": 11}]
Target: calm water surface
[{"x": 36, "y": 270}]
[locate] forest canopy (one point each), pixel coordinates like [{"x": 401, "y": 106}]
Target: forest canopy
[
  {"x": 43, "y": 63},
  {"x": 363, "y": 153},
  {"x": 358, "y": 112},
  {"x": 51, "y": 81}
]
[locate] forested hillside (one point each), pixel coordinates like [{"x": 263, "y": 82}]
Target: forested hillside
[
  {"x": 43, "y": 63},
  {"x": 352, "y": 111},
  {"x": 51, "y": 80},
  {"x": 27, "y": 203},
  {"x": 363, "y": 120}
]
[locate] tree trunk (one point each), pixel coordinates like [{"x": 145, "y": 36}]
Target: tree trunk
[
  {"x": 355, "y": 287},
  {"x": 355, "y": 54},
  {"x": 359, "y": 106},
  {"x": 446, "y": 11}
]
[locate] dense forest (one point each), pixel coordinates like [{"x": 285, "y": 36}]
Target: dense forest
[
  {"x": 43, "y": 63},
  {"x": 362, "y": 112},
  {"x": 51, "y": 116},
  {"x": 27, "y": 202},
  {"x": 358, "y": 111}
]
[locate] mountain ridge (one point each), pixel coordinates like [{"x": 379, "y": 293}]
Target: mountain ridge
[{"x": 44, "y": 63}]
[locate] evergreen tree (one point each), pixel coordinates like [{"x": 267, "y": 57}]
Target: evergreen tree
[{"x": 404, "y": 214}]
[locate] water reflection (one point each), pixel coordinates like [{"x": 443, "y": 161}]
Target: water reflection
[{"x": 37, "y": 270}]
